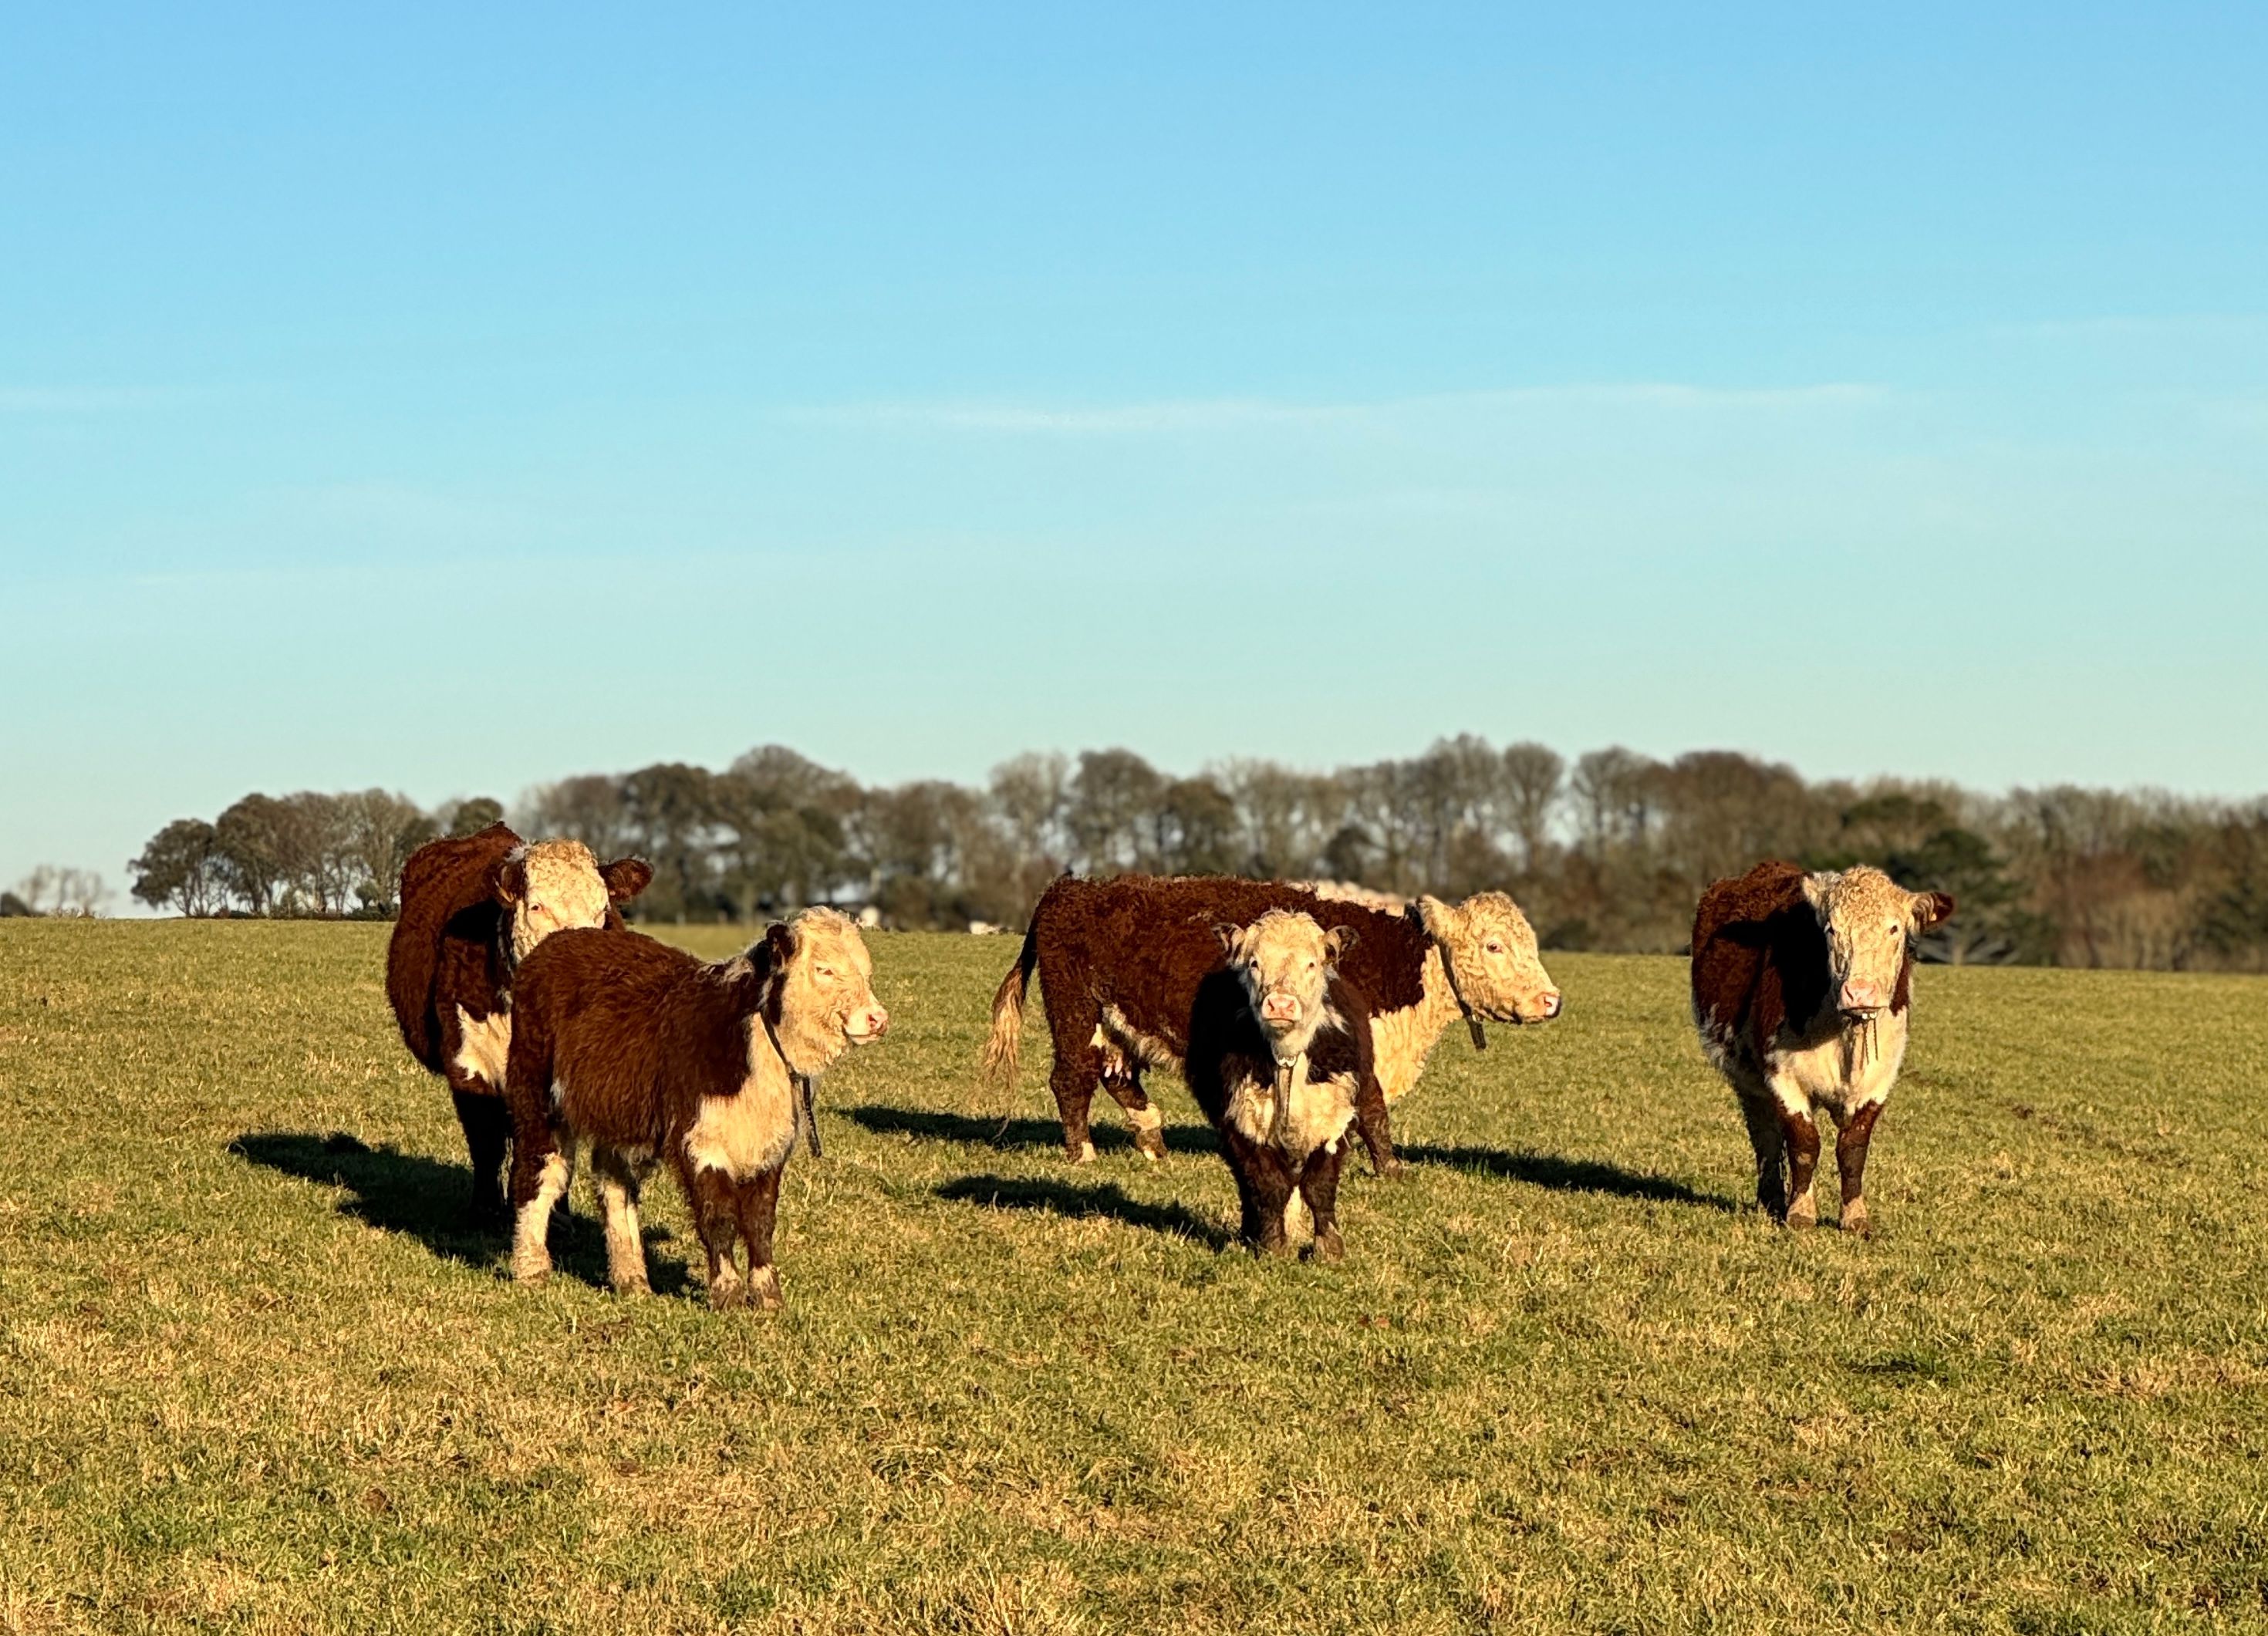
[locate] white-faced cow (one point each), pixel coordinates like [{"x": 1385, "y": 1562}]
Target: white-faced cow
[
  {"x": 472, "y": 908},
  {"x": 1279, "y": 1053},
  {"x": 650, "y": 1056},
  {"x": 1803, "y": 984},
  {"x": 1120, "y": 962}
]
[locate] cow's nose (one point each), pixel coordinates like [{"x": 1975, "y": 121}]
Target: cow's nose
[
  {"x": 1859, "y": 994},
  {"x": 1280, "y": 1008},
  {"x": 1549, "y": 1003}
]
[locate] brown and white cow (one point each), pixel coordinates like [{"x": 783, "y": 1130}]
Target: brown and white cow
[
  {"x": 1803, "y": 984},
  {"x": 1279, "y": 1059},
  {"x": 1121, "y": 961},
  {"x": 647, "y": 1055},
  {"x": 472, "y": 908}
]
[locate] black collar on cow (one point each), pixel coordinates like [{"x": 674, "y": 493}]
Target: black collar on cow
[{"x": 1449, "y": 970}]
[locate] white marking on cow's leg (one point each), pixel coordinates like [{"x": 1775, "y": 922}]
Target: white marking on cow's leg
[
  {"x": 1297, "y": 1223},
  {"x": 531, "y": 1254},
  {"x": 1086, "y": 1152},
  {"x": 625, "y": 1249},
  {"x": 764, "y": 1288},
  {"x": 1801, "y": 1131},
  {"x": 1149, "y": 1124}
]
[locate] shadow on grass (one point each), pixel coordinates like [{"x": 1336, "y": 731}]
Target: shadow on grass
[
  {"x": 430, "y": 1201},
  {"x": 1063, "y": 1198},
  {"x": 1564, "y": 1176},
  {"x": 1110, "y": 1135}
]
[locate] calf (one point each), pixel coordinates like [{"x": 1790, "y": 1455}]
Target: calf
[
  {"x": 1801, "y": 986},
  {"x": 1121, "y": 961},
  {"x": 1279, "y": 1051},
  {"x": 472, "y": 908},
  {"x": 647, "y": 1054}
]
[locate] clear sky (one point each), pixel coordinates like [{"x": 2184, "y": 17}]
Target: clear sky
[{"x": 455, "y": 399}]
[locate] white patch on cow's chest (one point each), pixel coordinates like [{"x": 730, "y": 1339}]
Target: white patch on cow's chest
[
  {"x": 1294, "y": 1115},
  {"x": 751, "y": 1131},
  {"x": 484, "y": 1047},
  {"x": 1842, "y": 1070}
]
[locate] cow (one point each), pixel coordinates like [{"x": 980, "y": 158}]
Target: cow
[
  {"x": 472, "y": 908},
  {"x": 647, "y": 1055},
  {"x": 1801, "y": 989},
  {"x": 1121, "y": 960},
  {"x": 1279, "y": 1053}
]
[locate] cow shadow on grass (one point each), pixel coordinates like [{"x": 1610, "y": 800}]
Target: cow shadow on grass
[
  {"x": 1109, "y": 1134},
  {"x": 426, "y": 1199},
  {"x": 1080, "y": 1203},
  {"x": 1564, "y": 1176}
]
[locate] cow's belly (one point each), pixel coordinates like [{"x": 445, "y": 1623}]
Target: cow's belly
[
  {"x": 1126, "y": 1048},
  {"x": 483, "y": 1048},
  {"x": 1841, "y": 1072}
]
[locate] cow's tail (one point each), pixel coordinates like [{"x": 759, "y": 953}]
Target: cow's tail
[{"x": 1000, "y": 1046}]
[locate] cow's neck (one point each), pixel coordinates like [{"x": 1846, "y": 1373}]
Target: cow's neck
[{"x": 1402, "y": 1040}]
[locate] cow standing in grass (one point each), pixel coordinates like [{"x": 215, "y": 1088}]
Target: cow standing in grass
[
  {"x": 1279, "y": 1053},
  {"x": 471, "y": 909},
  {"x": 1120, "y": 962},
  {"x": 648, "y": 1055},
  {"x": 1801, "y": 988}
]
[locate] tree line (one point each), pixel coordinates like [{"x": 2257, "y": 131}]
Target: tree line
[{"x": 1609, "y": 852}]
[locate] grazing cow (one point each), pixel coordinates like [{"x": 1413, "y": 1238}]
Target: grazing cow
[
  {"x": 472, "y": 908},
  {"x": 1279, "y": 1051},
  {"x": 648, "y": 1054},
  {"x": 1801, "y": 986},
  {"x": 1121, "y": 960}
]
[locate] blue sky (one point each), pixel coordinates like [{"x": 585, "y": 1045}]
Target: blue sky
[{"x": 453, "y": 402}]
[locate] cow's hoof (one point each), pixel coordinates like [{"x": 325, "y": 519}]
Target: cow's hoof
[
  {"x": 726, "y": 1294},
  {"x": 764, "y": 1291},
  {"x": 1802, "y": 1213},
  {"x": 1326, "y": 1249},
  {"x": 1151, "y": 1145},
  {"x": 629, "y": 1287},
  {"x": 1085, "y": 1155},
  {"x": 1393, "y": 1170},
  {"x": 1271, "y": 1248},
  {"x": 1855, "y": 1219},
  {"x": 531, "y": 1266}
]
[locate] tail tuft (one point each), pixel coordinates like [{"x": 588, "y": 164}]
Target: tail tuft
[{"x": 1001, "y": 1045}]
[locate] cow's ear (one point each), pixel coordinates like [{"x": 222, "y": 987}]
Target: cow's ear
[
  {"x": 1337, "y": 940},
  {"x": 508, "y": 877},
  {"x": 1228, "y": 936},
  {"x": 1816, "y": 888},
  {"x": 779, "y": 944},
  {"x": 1931, "y": 909},
  {"x": 626, "y": 878},
  {"x": 1438, "y": 919}
]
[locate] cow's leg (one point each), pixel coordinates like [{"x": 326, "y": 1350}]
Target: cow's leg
[
  {"x": 1078, "y": 1065},
  {"x": 619, "y": 1184},
  {"x": 1760, "y": 1111},
  {"x": 1801, "y": 1133},
  {"x": 1377, "y": 1132},
  {"x": 1856, "y": 1129},
  {"x": 1319, "y": 1185},
  {"x": 541, "y": 1171},
  {"x": 1263, "y": 1186},
  {"x": 759, "y": 1207},
  {"x": 717, "y": 1218},
  {"x": 1124, "y": 1084},
  {"x": 487, "y": 1123}
]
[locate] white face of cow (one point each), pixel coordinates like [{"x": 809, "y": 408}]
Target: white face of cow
[
  {"x": 552, "y": 885},
  {"x": 1869, "y": 919},
  {"x": 1492, "y": 958},
  {"x": 827, "y": 1001},
  {"x": 1285, "y": 961}
]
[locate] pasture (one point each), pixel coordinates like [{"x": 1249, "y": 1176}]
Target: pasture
[{"x": 256, "y": 1374}]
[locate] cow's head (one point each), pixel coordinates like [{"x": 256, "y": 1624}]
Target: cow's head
[
  {"x": 1490, "y": 950},
  {"x": 1285, "y": 961},
  {"x": 1869, "y": 920},
  {"x": 557, "y": 886},
  {"x": 824, "y": 999}
]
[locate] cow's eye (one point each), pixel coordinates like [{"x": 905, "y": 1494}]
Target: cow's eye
[
  {"x": 1494, "y": 948},
  {"x": 824, "y": 971}
]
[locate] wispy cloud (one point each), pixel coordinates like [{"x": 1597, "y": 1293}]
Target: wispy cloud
[{"x": 1172, "y": 416}]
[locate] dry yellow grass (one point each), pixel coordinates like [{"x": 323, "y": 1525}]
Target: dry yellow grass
[{"x": 254, "y": 1376}]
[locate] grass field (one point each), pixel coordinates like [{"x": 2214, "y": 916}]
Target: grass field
[{"x": 254, "y": 1376}]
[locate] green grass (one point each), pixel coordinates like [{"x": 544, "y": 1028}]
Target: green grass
[{"x": 254, "y": 1376}]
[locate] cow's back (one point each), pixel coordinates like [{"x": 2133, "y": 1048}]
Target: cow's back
[
  {"x": 1759, "y": 958},
  {"x": 441, "y": 936}
]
